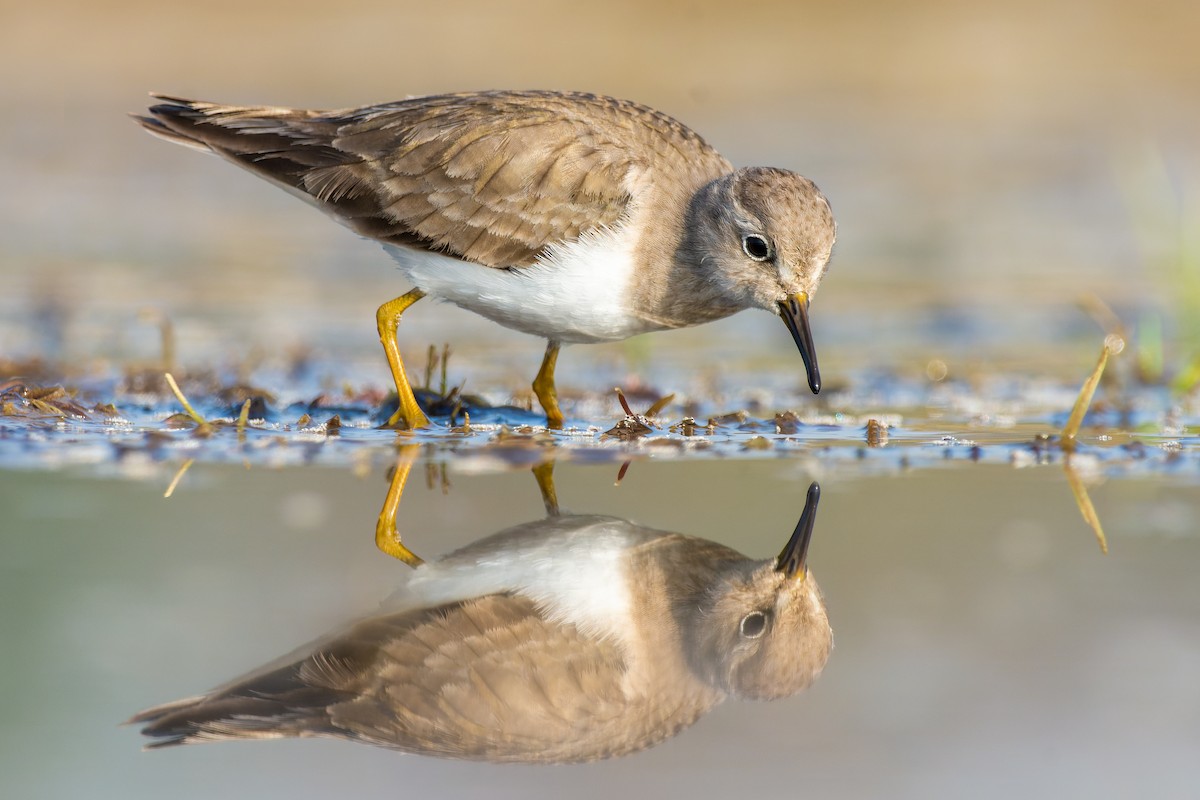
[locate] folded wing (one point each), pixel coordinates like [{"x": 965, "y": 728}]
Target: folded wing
[
  {"x": 489, "y": 678},
  {"x": 492, "y": 177}
]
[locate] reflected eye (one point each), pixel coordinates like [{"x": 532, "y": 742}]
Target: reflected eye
[
  {"x": 756, "y": 247},
  {"x": 753, "y": 625}
]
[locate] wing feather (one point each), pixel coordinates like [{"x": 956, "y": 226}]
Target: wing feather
[
  {"x": 492, "y": 177},
  {"x": 487, "y": 678}
]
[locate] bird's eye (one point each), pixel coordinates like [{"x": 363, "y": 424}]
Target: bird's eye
[
  {"x": 753, "y": 625},
  {"x": 756, "y": 247}
]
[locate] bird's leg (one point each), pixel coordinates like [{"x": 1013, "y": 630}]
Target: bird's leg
[
  {"x": 543, "y": 387},
  {"x": 543, "y": 473},
  {"x": 387, "y": 536},
  {"x": 408, "y": 414}
]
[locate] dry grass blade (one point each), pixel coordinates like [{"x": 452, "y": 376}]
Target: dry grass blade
[
  {"x": 244, "y": 417},
  {"x": 1102, "y": 313},
  {"x": 659, "y": 405},
  {"x": 178, "y": 477},
  {"x": 1084, "y": 501},
  {"x": 624, "y": 403},
  {"x": 1113, "y": 345},
  {"x": 191, "y": 412},
  {"x": 633, "y": 426},
  {"x": 46, "y": 408},
  {"x": 445, "y": 365}
]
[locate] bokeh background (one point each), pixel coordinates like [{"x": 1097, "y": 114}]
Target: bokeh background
[{"x": 989, "y": 164}]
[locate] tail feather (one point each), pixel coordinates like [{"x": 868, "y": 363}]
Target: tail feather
[
  {"x": 160, "y": 129},
  {"x": 239, "y": 130},
  {"x": 293, "y": 148},
  {"x": 273, "y": 706}
]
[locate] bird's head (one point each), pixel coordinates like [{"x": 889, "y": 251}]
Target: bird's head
[
  {"x": 765, "y": 634},
  {"x": 765, "y": 236}
]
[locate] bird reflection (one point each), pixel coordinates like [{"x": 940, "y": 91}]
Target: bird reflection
[{"x": 573, "y": 638}]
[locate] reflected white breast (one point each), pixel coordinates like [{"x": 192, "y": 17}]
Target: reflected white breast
[{"x": 579, "y": 576}]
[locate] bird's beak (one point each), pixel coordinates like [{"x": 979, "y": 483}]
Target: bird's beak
[
  {"x": 794, "y": 311},
  {"x": 791, "y": 561}
]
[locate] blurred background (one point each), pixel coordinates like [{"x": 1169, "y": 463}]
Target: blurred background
[{"x": 987, "y": 163}]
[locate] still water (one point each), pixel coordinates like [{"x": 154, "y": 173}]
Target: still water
[
  {"x": 983, "y": 645},
  {"x": 989, "y": 165}
]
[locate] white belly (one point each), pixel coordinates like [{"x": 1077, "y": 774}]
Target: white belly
[
  {"x": 577, "y": 575},
  {"x": 576, "y": 293}
]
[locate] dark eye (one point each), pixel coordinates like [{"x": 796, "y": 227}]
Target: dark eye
[
  {"x": 756, "y": 247},
  {"x": 753, "y": 625}
]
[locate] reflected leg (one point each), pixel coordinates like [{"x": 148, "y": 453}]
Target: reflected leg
[
  {"x": 543, "y": 473},
  {"x": 543, "y": 387},
  {"x": 408, "y": 414},
  {"x": 387, "y": 536}
]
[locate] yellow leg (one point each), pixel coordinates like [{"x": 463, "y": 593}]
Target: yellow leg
[
  {"x": 543, "y": 387},
  {"x": 408, "y": 414},
  {"x": 387, "y": 536},
  {"x": 543, "y": 473}
]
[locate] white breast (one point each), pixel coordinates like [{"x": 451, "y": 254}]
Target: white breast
[
  {"x": 578, "y": 576},
  {"x": 576, "y": 293}
]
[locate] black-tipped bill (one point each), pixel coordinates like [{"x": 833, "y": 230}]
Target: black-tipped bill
[
  {"x": 794, "y": 311},
  {"x": 791, "y": 561}
]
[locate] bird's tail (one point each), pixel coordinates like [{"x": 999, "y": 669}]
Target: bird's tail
[
  {"x": 231, "y": 131},
  {"x": 293, "y": 148},
  {"x": 278, "y": 704}
]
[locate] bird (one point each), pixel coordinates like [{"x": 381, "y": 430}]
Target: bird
[
  {"x": 571, "y": 216},
  {"x": 568, "y": 639}
]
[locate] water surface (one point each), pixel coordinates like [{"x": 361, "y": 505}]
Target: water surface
[{"x": 983, "y": 644}]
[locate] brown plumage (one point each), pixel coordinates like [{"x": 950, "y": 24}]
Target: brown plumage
[
  {"x": 569, "y": 639},
  {"x": 489, "y": 177},
  {"x": 454, "y": 680},
  {"x": 570, "y": 216}
]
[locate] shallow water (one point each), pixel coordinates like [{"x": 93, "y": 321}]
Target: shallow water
[
  {"x": 989, "y": 167},
  {"x": 983, "y": 644}
]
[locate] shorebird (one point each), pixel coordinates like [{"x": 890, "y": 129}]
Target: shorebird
[
  {"x": 568, "y": 639},
  {"x": 570, "y": 216}
]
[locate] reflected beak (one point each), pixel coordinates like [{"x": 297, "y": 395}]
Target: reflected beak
[
  {"x": 791, "y": 561},
  {"x": 794, "y": 311}
]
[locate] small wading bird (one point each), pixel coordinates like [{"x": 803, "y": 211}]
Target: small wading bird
[
  {"x": 569, "y": 639},
  {"x": 569, "y": 216}
]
